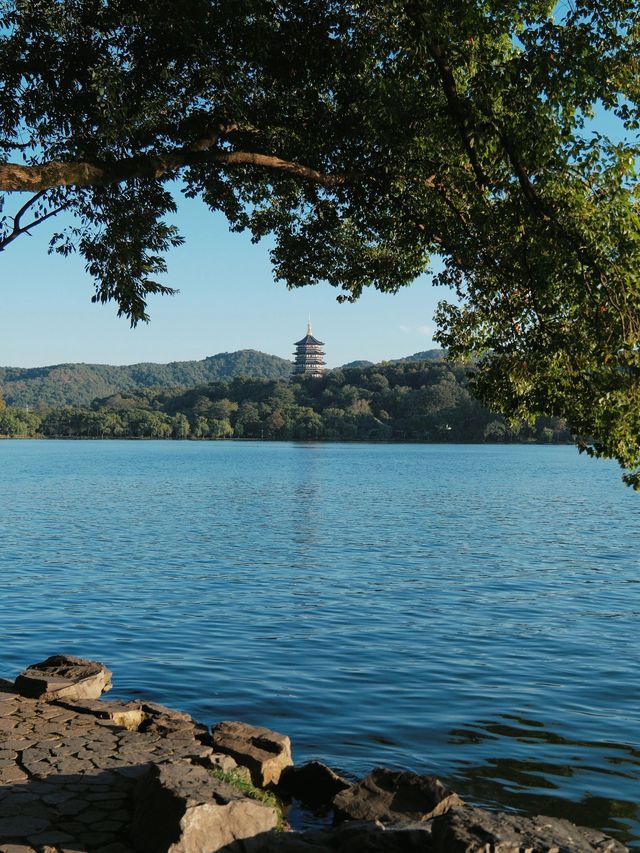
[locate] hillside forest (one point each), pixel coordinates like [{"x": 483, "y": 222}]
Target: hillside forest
[
  {"x": 79, "y": 384},
  {"x": 397, "y": 401}
]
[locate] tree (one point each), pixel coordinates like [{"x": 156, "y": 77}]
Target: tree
[
  {"x": 181, "y": 426},
  {"x": 366, "y": 138},
  {"x": 220, "y": 428},
  {"x": 200, "y": 428},
  {"x": 274, "y": 423}
]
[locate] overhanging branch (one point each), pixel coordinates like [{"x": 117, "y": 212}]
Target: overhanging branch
[{"x": 15, "y": 177}]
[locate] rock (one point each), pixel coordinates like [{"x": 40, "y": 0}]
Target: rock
[
  {"x": 129, "y": 715},
  {"x": 162, "y": 713},
  {"x": 264, "y": 752},
  {"x": 64, "y": 676},
  {"x": 358, "y": 837},
  {"x": 314, "y": 784},
  {"x": 290, "y": 842},
  {"x": 224, "y": 762},
  {"x": 469, "y": 830},
  {"x": 16, "y": 848},
  {"x": 21, "y": 826},
  {"x": 166, "y": 721},
  {"x": 183, "y": 809},
  {"x": 391, "y": 797}
]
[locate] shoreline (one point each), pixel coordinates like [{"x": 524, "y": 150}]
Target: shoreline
[
  {"x": 82, "y": 774},
  {"x": 240, "y": 440}
]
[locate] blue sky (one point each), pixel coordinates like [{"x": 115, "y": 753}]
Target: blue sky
[{"x": 228, "y": 300}]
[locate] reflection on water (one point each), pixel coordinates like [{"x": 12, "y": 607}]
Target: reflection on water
[{"x": 556, "y": 782}]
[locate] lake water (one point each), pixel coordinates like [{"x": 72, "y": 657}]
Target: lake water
[{"x": 469, "y": 611}]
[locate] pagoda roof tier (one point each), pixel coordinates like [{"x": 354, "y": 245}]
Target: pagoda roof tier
[{"x": 309, "y": 339}]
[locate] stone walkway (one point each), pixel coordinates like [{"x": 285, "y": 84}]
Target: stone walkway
[{"x": 66, "y": 776}]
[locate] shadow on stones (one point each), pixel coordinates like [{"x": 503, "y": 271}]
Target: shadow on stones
[{"x": 70, "y": 812}]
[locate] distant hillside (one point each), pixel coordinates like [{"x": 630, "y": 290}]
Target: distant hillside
[
  {"x": 427, "y": 355},
  {"x": 80, "y": 384},
  {"x": 355, "y": 364}
]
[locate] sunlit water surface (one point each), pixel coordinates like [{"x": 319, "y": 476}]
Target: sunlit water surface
[{"x": 469, "y": 611}]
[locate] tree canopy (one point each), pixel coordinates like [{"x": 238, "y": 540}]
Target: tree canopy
[{"x": 367, "y": 138}]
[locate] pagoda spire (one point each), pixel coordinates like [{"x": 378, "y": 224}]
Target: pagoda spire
[{"x": 309, "y": 329}]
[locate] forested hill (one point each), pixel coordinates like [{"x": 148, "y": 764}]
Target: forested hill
[
  {"x": 426, "y": 355},
  {"x": 80, "y": 384},
  {"x": 405, "y": 401}
]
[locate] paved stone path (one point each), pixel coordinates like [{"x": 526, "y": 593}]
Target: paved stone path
[{"x": 66, "y": 776}]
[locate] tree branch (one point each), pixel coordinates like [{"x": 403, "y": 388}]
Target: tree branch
[
  {"x": 19, "y": 229},
  {"x": 459, "y": 111},
  {"x": 25, "y": 207},
  {"x": 15, "y": 177}
]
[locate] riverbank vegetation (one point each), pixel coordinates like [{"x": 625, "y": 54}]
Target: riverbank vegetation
[{"x": 398, "y": 401}]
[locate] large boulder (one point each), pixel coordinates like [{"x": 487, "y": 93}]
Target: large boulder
[
  {"x": 64, "y": 677},
  {"x": 469, "y": 830},
  {"x": 391, "y": 796},
  {"x": 314, "y": 784},
  {"x": 183, "y": 809},
  {"x": 264, "y": 752}
]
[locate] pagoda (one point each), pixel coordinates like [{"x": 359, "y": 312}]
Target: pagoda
[{"x": 309, "y": 357}]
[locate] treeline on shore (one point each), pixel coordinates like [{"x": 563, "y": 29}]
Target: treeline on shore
[{"x": 399, "y": 401}]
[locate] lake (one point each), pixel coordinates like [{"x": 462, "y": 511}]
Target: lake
[{"x": 468, "y": 611}]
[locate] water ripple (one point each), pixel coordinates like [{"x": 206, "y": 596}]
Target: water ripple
[{"x": 470, "y": 611}]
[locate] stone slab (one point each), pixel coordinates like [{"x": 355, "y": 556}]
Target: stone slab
[{"x": 64, "y": 676}]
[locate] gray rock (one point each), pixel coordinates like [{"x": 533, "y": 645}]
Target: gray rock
[
  {"x": 392, "y": 797},
  {"x": 377, "y": 838},
  {"x": 469, "y": 830},
  {"x": 355, "y": 837},
  {"x": 264, "y": 752},
  {"x": 289, "y": 842},
  {"x": 183, "y": 809},
  {"x": 314, "y": 783},
  {"x": 64, "y": 676}
]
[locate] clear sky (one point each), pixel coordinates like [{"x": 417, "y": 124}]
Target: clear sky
[{"x": 228, "y": 300}]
